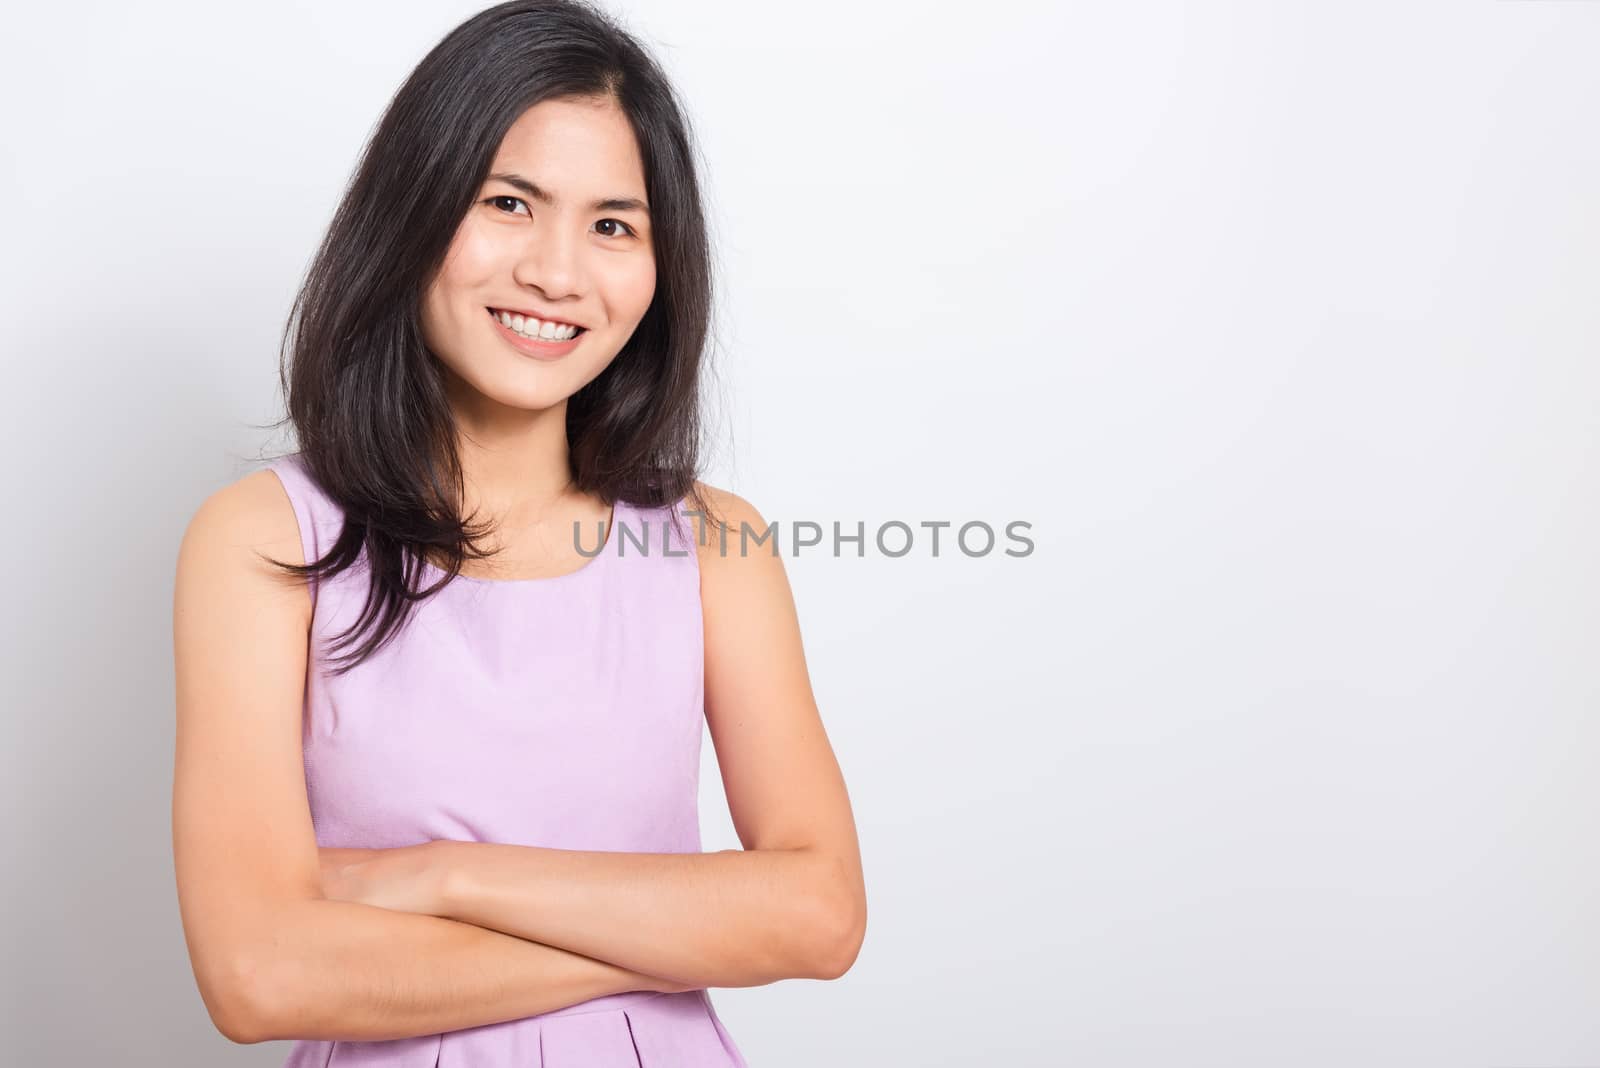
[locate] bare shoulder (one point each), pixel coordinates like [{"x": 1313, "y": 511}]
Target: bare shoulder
[
  {"x": 731, "y": 529},
  {"x": 235, "y": 533},
  {"x": 745, "y": 596},
  {"x": 254, "y": 508}
]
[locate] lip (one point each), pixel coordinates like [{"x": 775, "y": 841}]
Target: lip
[{"x": 544, "y": 350}]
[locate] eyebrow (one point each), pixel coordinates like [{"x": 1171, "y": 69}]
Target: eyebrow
[{"x": 517, "y": 181}]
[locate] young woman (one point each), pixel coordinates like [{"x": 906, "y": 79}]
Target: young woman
[{"x": 437, "y": 758}]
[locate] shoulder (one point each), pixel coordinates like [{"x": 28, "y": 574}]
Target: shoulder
[
  {"x": 252, "y": 511},
  {"x": 234, "y": 531},
  {"x": 724, "y": 516},
  {"x": 724, "y": 506},
  {"x": 740, "y": 555}
]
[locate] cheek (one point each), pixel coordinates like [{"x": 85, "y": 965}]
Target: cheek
[
  {"x": 474, "y": 257},
  {"x": 469, "y": 262},
  {"x": 635, "y": 288}
]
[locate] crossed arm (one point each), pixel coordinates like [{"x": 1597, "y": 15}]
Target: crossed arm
[{"x": 730, "y": 918}]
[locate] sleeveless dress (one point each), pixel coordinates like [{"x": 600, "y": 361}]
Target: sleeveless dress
[{"x": 564, "y": 712}]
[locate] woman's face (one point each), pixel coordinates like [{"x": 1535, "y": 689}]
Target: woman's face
[{"x": 562, "y": 255}]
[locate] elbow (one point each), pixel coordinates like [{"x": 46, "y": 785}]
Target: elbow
[
  {"x": 818, "y": 931},
  {"x": 242, "y": 1004},
  {"x": 237, "y": 1026},
  {"x": 848, "y": 931},
  {"x": 840, "y": 925},
  {"x": 246, "y": 962}
]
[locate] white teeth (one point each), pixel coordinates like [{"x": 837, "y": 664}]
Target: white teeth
[{"x": 535, "y": 328}]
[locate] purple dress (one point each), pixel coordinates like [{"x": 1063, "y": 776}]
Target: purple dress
[{"x": 563, "y": 712}]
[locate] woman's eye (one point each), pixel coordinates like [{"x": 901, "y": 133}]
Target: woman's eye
[
  {"x": 514, "y": 200},
  {"x": 620, "y": 223}
]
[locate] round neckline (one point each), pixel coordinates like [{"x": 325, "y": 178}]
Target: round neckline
[{"x": 588, "y": 565}]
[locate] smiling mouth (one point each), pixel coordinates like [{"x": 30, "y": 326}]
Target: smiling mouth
[{"x": 578, "y": 331}]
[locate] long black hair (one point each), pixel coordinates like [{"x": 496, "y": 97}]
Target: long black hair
[{"x": 365, "y": 395}]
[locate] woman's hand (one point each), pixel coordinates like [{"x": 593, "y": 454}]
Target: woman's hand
[{"x": 405, "y": 879}]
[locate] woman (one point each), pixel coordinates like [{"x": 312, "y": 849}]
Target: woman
[{"x": 436, "y": 756}]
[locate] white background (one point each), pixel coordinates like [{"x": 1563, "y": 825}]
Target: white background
[{"x": 1276, "y": 320}]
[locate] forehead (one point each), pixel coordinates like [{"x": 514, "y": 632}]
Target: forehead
[{"x": 575, "y": 147}]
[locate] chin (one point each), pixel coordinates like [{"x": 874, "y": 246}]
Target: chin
[
  {"x": 529, "y": 398},
  {"x": 514, "y": 388}
]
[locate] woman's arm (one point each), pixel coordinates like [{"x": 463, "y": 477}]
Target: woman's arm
[
  {"x": 321, "y": 969},
  {"x": 272, "y": 956},
  {"x": 731, "y": 918},
  {"x": 791, "y": 904}
]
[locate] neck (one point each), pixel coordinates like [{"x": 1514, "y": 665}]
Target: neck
[{"x": 514, "y": 463}]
